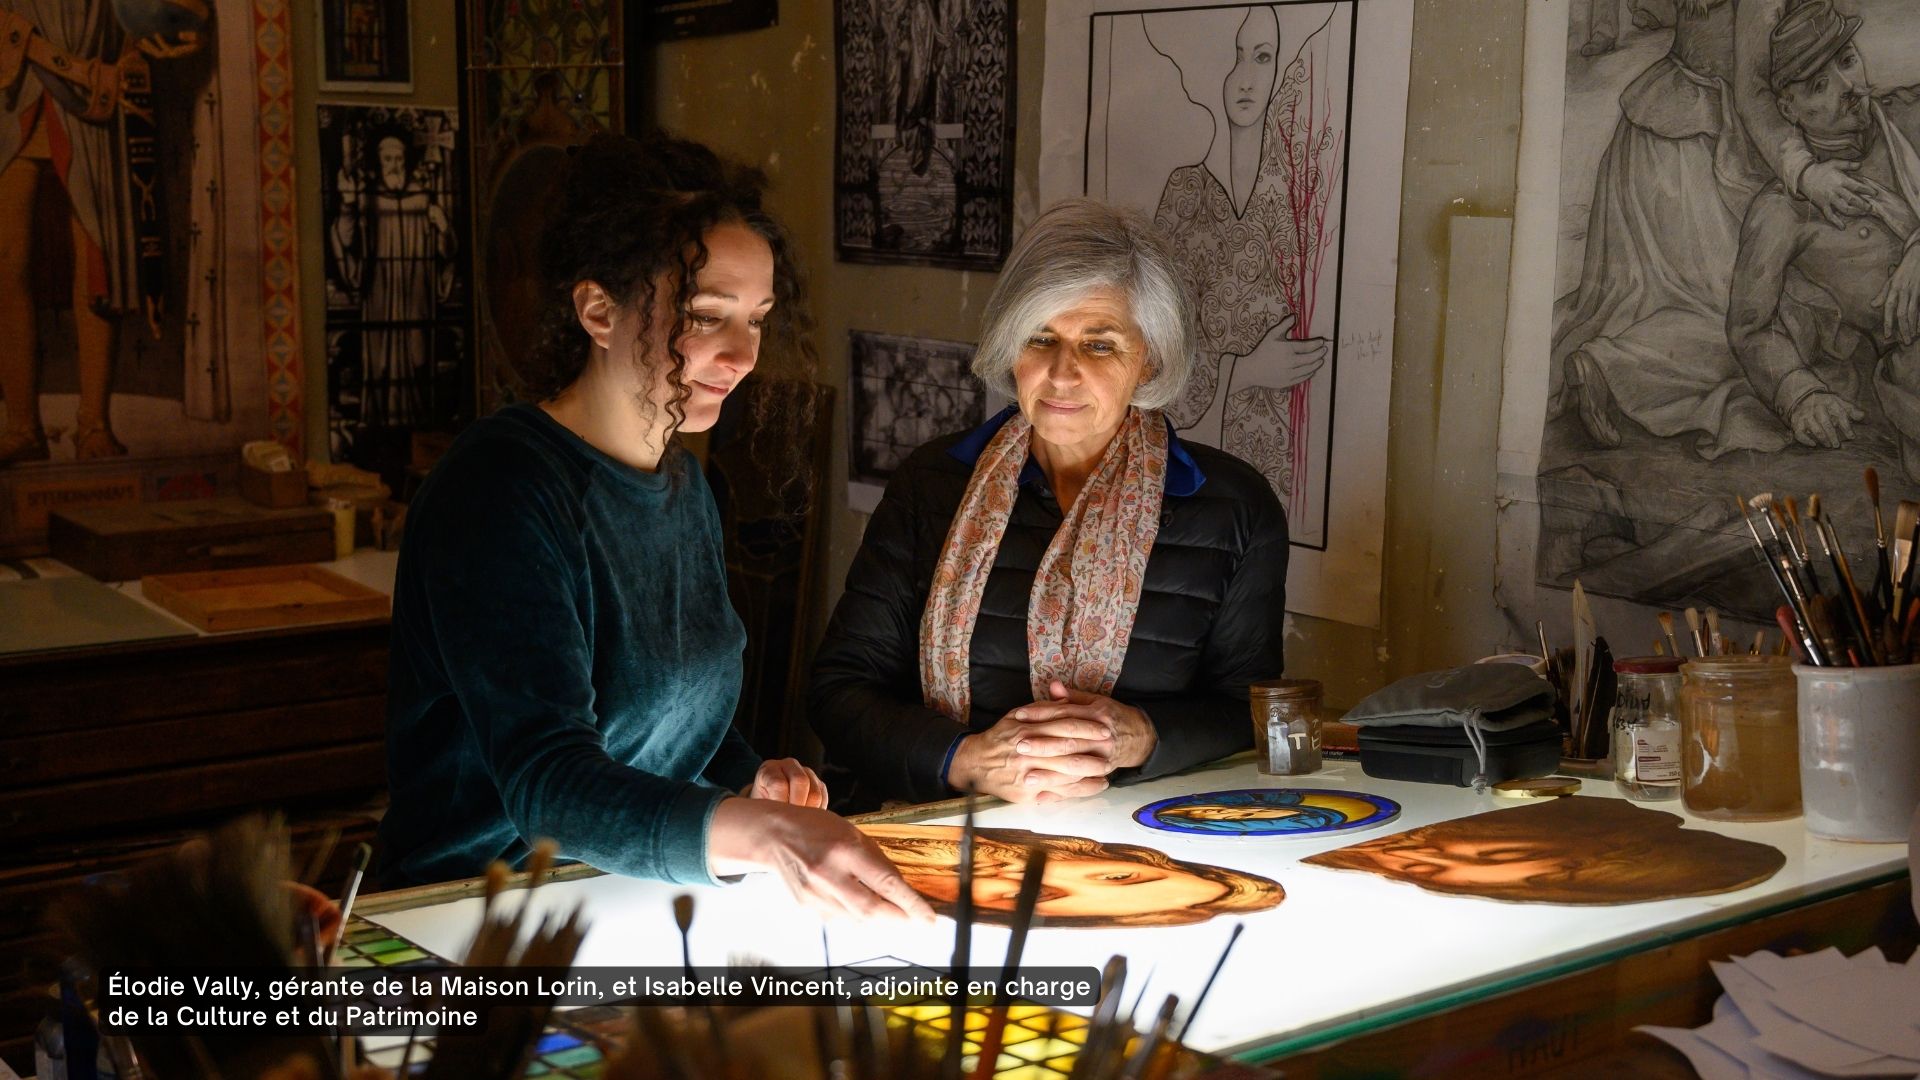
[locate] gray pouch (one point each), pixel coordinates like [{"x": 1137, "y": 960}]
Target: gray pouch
[{"x": 1489, "y": 697}]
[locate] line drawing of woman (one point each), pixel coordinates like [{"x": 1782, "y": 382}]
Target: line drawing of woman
[
  {"x": 1229, "y": 215},
  {"x": 1089, "y": 883},
  {"x": 1572, "y": 850},
  {"x": 1261, "y": 812}
]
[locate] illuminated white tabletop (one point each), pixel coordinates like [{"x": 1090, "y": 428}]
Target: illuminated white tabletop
[{"x": 1344, "y": 949}]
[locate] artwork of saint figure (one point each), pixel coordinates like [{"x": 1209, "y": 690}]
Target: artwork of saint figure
[
  {"x": 1088, "y": 883},
  {"x": 69, "y": 223},
  {"x": 1574, "y": 850},
  {"x": 1267, "y": 812}
]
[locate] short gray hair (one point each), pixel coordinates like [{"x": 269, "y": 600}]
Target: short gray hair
[{"x": 1077, "y": 246}]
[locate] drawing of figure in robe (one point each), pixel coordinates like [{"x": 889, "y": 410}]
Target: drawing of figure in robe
[
  {"x": 1241, "y": 245},
  {"x": 919, "y": 36},
  {"x": 113, "y": 208},
  {"x": 393, "y": 245},
  {"x": 1644, "y": 335},
  {"x": 67, "y": 70}
]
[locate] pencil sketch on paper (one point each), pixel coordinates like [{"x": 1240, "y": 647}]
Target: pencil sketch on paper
[
  {"x": 1230, "y": 125},
  {"x": 1737, "y": 291},
  {"x": 905, "y": 391}
]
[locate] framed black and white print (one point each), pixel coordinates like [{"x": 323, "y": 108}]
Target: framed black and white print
[
  {"x": 903, "y": 391},
  {"x": 366, "y": 45},
  {"x": 923, "y": 173}
]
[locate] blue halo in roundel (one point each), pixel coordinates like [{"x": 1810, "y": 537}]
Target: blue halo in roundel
[{"x": 1297, "y": 812}]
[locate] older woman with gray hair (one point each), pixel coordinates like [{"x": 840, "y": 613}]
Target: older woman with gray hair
[{"x": 1067, "y": 596}]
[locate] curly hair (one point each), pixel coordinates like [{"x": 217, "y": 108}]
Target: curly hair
[{"x": 631, "y": 215}]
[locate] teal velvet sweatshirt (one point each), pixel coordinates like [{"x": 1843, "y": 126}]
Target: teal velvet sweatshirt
[{"x": 565, "y": 661}]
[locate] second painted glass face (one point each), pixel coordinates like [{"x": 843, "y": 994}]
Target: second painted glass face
[
  {"x": 1076, "y": 375},
  {"x": 1078, "y": 884},
  {"x": 1255, "y": 57}
]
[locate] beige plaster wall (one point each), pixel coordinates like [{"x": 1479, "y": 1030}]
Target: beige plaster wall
[{"x": 767, "y": 97}]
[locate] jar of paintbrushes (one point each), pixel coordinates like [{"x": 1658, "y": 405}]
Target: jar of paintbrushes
[{"x": 1740, "y": 750}]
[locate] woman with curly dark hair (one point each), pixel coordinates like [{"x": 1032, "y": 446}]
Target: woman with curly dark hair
[{"x": 565, "y": 659}]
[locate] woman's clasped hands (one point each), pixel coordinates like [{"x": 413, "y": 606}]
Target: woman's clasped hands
[{"x": 1062, "y": 748}]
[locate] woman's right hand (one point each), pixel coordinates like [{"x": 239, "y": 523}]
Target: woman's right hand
[
  {"x": 826, "y": 863},
  {"x": 1035, "y": 760}
]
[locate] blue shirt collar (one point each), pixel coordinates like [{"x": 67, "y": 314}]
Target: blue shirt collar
[{"x": 1183, "y": 473}]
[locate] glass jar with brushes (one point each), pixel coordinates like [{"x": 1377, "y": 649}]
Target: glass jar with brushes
[
  {"x": 1740, "y": 750},
  {"x": 1646, "y": 728}
]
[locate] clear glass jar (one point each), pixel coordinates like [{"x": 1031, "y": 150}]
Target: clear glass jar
[
  {"x": 1286, "y": 725},
  {"x": 1740, "y": 748},
  {"x": 1646, "y": 728}
]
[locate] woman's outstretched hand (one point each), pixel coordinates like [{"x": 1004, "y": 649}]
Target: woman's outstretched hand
[{"x": 826, "y": 863}]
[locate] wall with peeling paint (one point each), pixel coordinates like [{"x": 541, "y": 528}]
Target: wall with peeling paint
[{"x": 767, "y": 96}]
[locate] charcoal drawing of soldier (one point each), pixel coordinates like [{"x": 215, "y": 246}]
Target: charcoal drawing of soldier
[{"x": 1864, "y": 268}]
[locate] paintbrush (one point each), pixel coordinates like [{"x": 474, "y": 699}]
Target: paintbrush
[
  {"x": 1693, "y": 631},
  {"x": 1583, "y": 634},
  {"x": 683, "y": 918},
  {"x": 1207, "y": 987},
  {"x": 361, "y": 856},
  {"x": 1102, "y": 1028},
  {"x": 962, "y": 950},
  {"x": 1798, "y": 564},
  {"x": 1666, "y": 631},
  {"x": 1143, "y": 1055},
  {"x": 1540, "y": 631},
  {"x": 1907, "y": 524},
  {"x": 1780, "y": 566},
  {"x": 1850, "y": 592},
  {"x": 1028, "y": 898},
  {"x": 1883, "y": 573},
  {"x": 1716, "y": 645}
]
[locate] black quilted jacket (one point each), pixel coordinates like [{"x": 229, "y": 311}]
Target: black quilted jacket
[{"x": 1209, "y": 622}]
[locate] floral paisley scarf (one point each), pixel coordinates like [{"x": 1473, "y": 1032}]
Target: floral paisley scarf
[{"x": 1087, "y": 588}]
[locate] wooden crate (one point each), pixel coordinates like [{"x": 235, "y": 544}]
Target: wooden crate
[
  {"x": 122, "y": 541},
  {"x": 264, "y": 596}
]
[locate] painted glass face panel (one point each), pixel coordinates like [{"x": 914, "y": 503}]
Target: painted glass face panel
[
  {"x": 1285, "y": 812},
  {"x": 1087, "y": 883},
  {"x": 1576, "y": 850}
]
